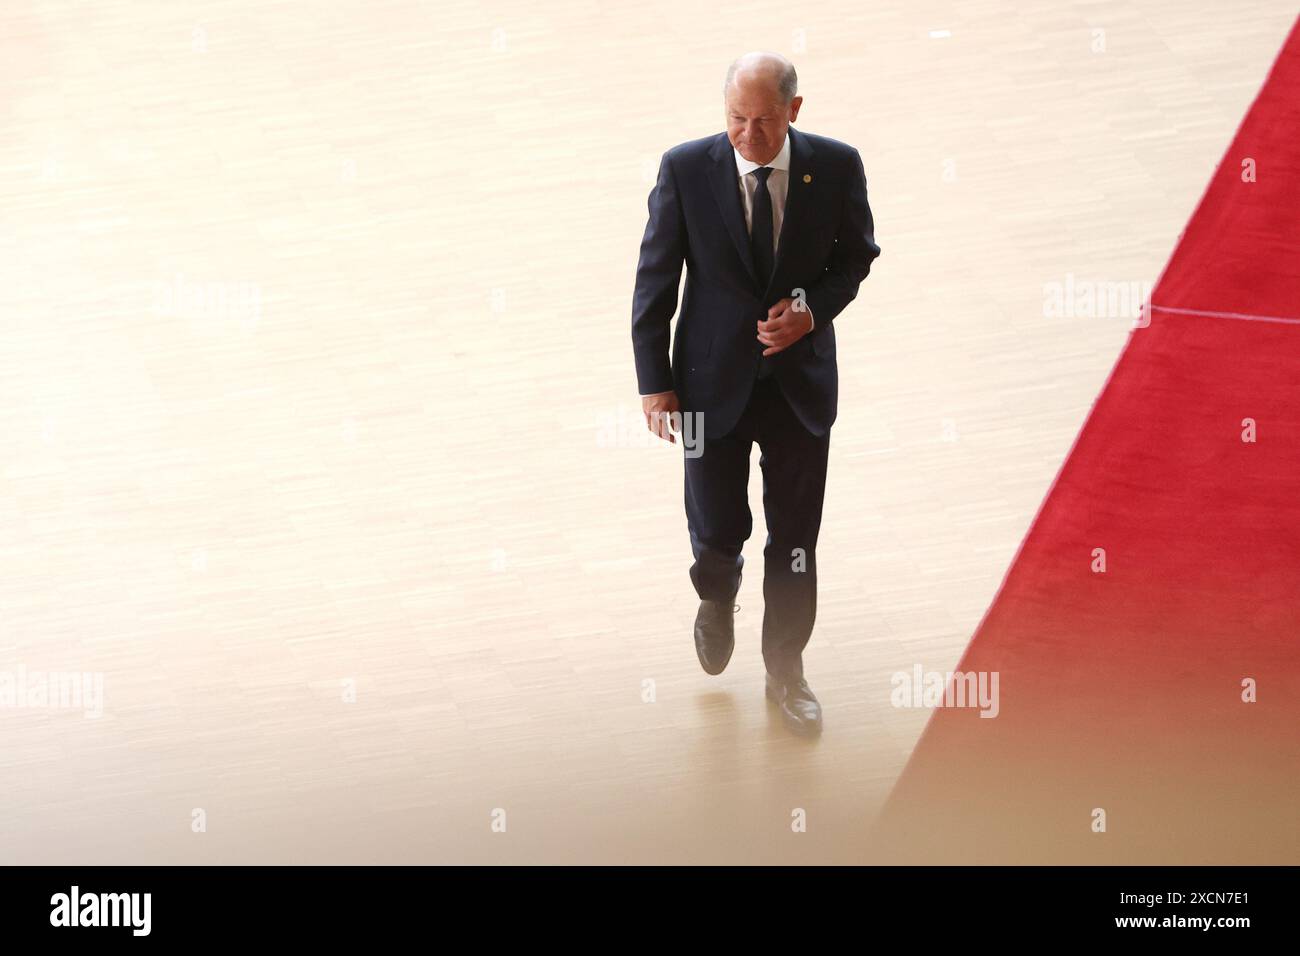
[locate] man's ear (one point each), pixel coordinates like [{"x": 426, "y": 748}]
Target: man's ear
[{"x": 794, "y": 107}]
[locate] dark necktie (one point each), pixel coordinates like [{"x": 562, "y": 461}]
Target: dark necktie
[
  {"x": 760, "y": 244},
  {"x": 760, "y": 232}
]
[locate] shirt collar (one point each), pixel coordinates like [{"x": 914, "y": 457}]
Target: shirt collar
[{"x": 782, "y": 160}]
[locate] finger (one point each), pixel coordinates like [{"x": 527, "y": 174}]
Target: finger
[
  {"x": 657, "y": 424},
  {"x": 663, "y": 430}
]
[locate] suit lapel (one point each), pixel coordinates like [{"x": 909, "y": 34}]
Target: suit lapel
[
  {"x": 726, "y": 191},
  {"x": 796, "y": 197}
]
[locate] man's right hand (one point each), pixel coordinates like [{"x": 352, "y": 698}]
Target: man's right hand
[{"x": 657, "y": 408}]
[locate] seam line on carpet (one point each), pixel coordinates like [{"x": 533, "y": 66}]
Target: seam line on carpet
[{"x": 1242, "y": 316}]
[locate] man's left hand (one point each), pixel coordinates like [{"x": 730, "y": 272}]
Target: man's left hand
[{"x": 784, "y": 326}]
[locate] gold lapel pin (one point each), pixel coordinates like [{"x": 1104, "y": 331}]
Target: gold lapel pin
[{"x": 807, "y": 177}]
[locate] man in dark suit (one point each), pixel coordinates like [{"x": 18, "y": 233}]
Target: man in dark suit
[{"x": 776, "y": 235}]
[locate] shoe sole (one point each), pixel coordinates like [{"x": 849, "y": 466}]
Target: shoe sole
[
  {"x": 794, "y": 726},
  {"x": 725, "y": 662}
]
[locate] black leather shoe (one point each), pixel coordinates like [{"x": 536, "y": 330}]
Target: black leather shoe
[
  {"x": 799, "y": 708},
  {"x": 715, "y": 635}
]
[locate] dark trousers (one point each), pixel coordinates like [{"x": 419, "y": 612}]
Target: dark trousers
[{"x": 793, "y": 462}]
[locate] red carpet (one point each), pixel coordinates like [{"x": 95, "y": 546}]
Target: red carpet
[{"x": 1122, "y": 691}]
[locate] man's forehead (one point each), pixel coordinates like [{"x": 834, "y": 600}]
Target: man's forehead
[{"x": 753, "y": 101}]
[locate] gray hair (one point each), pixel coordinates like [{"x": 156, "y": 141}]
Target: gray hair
[{"x": 782, "y": 70}]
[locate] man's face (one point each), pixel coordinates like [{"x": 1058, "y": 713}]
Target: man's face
[{"x": 757, "y": 120}]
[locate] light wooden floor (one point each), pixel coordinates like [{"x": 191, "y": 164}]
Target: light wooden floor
[{"x": 376, "y": 458}]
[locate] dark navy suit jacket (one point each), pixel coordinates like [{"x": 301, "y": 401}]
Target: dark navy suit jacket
[{"x": 697, "y": 217}]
